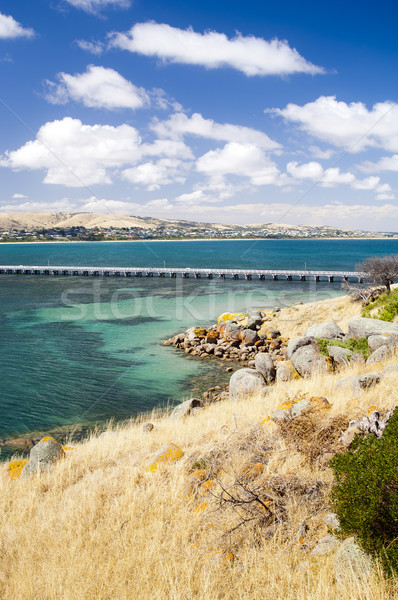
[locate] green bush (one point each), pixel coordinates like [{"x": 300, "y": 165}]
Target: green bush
[
  {"x": 386, "y": 305},
  {"x": 365, "y": 493},
  {"x": 359, "y": 345}
]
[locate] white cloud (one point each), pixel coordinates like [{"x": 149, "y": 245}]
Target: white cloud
[
  {"x": 76, "y": 155},
  {"x": 101, "y": 205},
  {"x": 387, "y": 163},
  {"x": 98, "y": 87},
  {"x": 96, "y": 48},
  {"x": 169, "y": 148},
  {"x": 63, "y": 205},
  {"x": 321, "y": 154},
  {"x": 351, "y": 126},
  {"x": 159, "y": 204},
  {"x": 11, "y": 29},
  {"x": 246, "y": 160},
  {"x": 154, "y": 175},
  {"x": 19, "y": 196},
  {"x": 94, "y": 6},
  {"x": 250, "y": 55},
  {"x": 312, "y": 170},
  {"x": 179, "y": 125},
  {"x": 334, "y": 176}
]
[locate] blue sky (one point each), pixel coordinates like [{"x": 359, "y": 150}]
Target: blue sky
[{"x": 217, "y": 111}]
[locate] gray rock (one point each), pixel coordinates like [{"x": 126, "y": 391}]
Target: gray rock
[
  {"x": 307, "y": 361},
  {"x": 328, "y": 331},
  {"x": 331, "y": 520},
  {"x": 285, "y": 415},
  {"x": 380, "y": 355},
  {"x": 362, "y": 327},
  {"x": 232, "y": 331},
  {"x": 375, "y": 341},
  {"x": 296, "y": 343},
  {"x": 357, "y": 359},
  {"x": 264, "y": 364},
  {"x": 249, "y": 337},
  {"x": 340, "y": 355},
  {"x": 351, "y": 564},
  {"x": 254, "y": 320},
  {"x": 390, "y": 369},
  {"x": 359, "y": 383},
  {"x": 185, "y": 408},
  {"x": 147, "y": 427},
  {"x": 44, "y": 454},
  {"x": 285, "y": 371},
  {"x": 325, "y": 545},
  {"x": 245, "y": 382}
]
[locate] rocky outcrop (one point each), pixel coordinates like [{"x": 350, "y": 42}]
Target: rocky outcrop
[
  {"x": 285, "y": 371},
  {"x": 341, "y": 356},
  {"x": 375, "y": 341},
  {"x": 244, "y": 383},
  {"x": 362, "y": 327},
  {"x": 380, "y": 355},
  {"x": 359, "y": 383},
  {"x": 296, "y": 343},
  {"x": 328, "y": 331},
  {"x": 351, "y": 564}
]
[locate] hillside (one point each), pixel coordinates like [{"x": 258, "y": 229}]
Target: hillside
[
  {"x": 30, "y": 221},
  {"x": 106, "y": 522}
]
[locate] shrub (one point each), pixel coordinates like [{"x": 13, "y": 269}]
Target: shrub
[
  {"x": 365, "y": 493},
  {"x": 359, "y": 345},
  {"x": 385, "y": 305}
]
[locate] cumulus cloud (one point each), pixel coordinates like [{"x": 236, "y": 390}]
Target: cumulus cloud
[
  {"x": 245, "y": 160},
  {"x": 312, "y": 170},
  {"x": 98, "y": 87},
  {"x": 63, "y": 205},
  {"x": 11, "y": 29},
  {"x": 250, "y": 55},
  {"x": 19, "y": 196},
  {"x": 76, "y": 155},
  {"x": 387, "y": 163},
  {"x": 95, "y": 6},
  {"x": 350, "y": 126},
  {"x": 169, "y": 148},
  {"x": 153, "y": 175},
  {"x": 331, "y": 177},
  {"x": 180, "y": 124}
]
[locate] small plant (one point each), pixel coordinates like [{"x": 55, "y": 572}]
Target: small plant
[
  {"x": 359, "y": 345},
  {"x": 365, "y": 493},
  {"x": 384, "y": 308}
]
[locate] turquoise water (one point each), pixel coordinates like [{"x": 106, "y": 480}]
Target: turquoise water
[{"x": 78, "y": 350}]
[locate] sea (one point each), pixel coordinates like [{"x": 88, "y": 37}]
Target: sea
[{"x": 84, "y": 350}]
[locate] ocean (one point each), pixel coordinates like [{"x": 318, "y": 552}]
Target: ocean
[{"x": 76, "y": 350}]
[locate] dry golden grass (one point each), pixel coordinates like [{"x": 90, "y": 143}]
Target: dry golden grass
[{"x": 100, "y": 526}]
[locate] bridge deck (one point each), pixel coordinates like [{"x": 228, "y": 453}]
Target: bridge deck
[{"x": 186, "y": 272}]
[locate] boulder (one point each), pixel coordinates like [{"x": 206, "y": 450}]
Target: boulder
[
  {"x": 380, "y": 355},
  {"x": 328, "y": 331},
  {"x": 231, "y": 331},
  {"x": 390, "y": 369},
  {"x": 249, "y": 337},
  {"x": 168, "y": 454},
  {"x": 325, "y": 545},
  {"x": 245, "y": 382},
  {"x": 296, "y": 343},
  {"x": 357, "y": 359},
  {"x": 361, "y": 327},
  {"x": 285, "y": 371},
  {"x": 375, "y": 341},
  {"x": 147, "y": 427},
  {"x": 291, "y": 410},
  {"x": 264, "y": 364},
  {"x": 44, "y": 454},
  {"x": 185, "y": 408},
  {"x": 359, "y": 383},
  {"x": 340, "y": 356},
  {"x": 307, "y": 360},
  {"x": 351, "y": 563},
  {"x": 254, "y": 320}
]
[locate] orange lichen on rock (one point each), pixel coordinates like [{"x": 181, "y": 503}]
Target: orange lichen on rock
[
  {"x": 68, "y": 448},
  {"x": 14, "y": 468},
  {"x": 253, "y": 472},
  {"x": 168, "y": 454},
  {"x": 200, "y": 509},
  {"x": 222, "y": 557}
]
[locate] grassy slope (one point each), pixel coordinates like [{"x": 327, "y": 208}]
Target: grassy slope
[{"x": 100, "y": 526}]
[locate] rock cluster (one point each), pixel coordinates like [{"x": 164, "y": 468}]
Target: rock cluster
[{"x": 235, "y": 337}]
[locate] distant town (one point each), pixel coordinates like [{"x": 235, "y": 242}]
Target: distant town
[
  {"x": 178, "y": 233},
  {"x": 36, "y": 227}
]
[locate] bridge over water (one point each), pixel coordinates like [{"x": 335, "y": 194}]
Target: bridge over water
[{"x": 185, "y": 273}]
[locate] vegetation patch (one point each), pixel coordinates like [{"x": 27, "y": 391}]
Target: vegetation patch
[
  {"x": 385, "y": 307},
  {"x": 365, "y": 493},
  {"x": 359, "y": 345}
]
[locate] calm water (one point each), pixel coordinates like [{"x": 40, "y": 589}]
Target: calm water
[{"x": 77, "y": 350}]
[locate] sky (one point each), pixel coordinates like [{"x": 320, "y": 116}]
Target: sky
[{"x": 217, "y": 111}]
